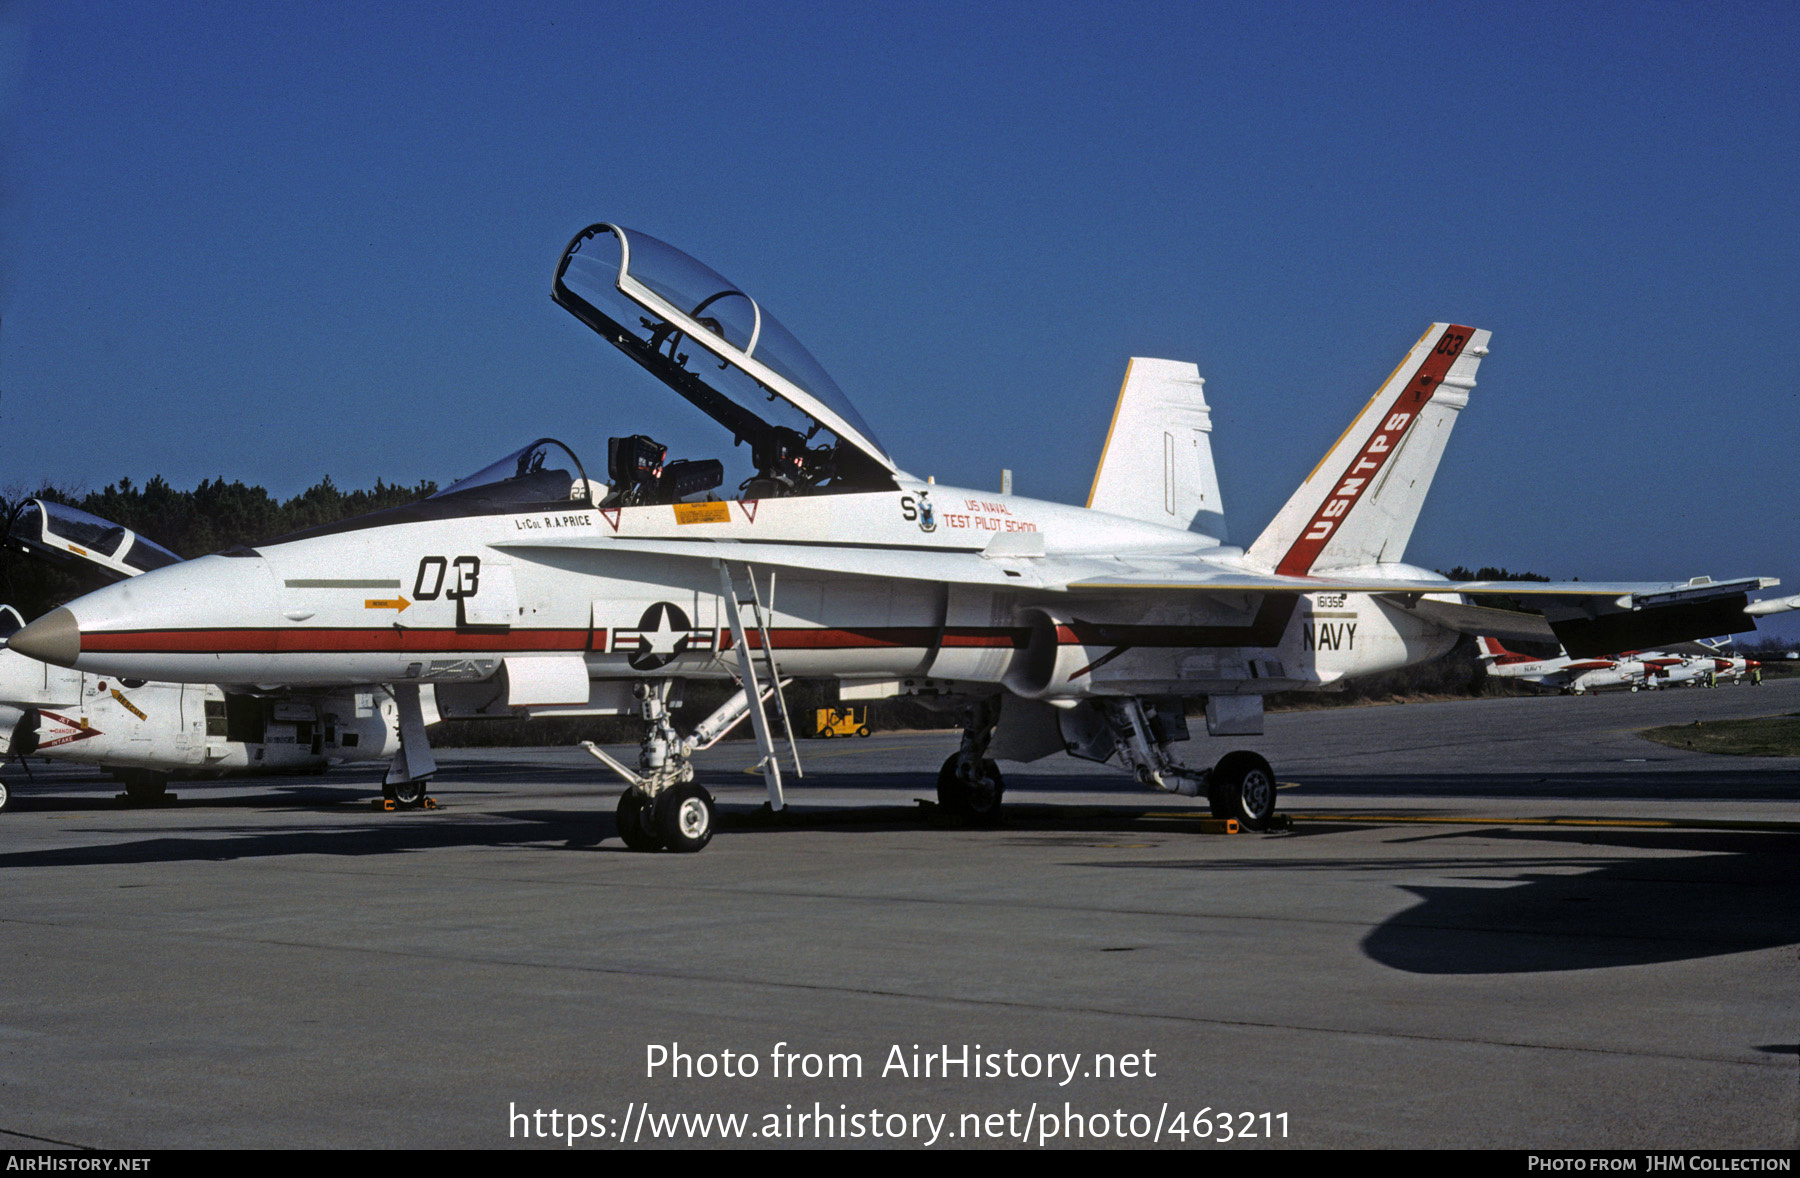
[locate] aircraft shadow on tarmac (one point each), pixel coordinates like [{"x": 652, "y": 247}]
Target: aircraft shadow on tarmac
[
  {"x": 1737, "y": 784},
  {"x": 549, "y": 829},
  {"x": 574, "y": 831},
  {"x": 1723, "y": 892}
]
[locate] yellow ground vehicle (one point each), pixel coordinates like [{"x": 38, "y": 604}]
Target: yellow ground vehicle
[{"x": 842, "y": 722}]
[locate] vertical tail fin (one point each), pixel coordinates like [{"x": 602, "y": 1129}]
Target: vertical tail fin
[
  {"x": 1359, "y": 505},
  {"x": 1157, "y": 464},
  {"x": 1491, "y": 649}
]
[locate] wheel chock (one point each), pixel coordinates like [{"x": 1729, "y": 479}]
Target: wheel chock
[
  {"x": 1219, "y": 826},
  {"x": 389, "y": 805}
]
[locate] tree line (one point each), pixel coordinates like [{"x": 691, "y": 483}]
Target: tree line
[{"x": 212, "y": 517}]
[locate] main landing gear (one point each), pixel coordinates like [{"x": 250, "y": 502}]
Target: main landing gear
[
  {"x": 1140, "y": 733},
  {"x": 969, "y": 785},
  {"x": 1241, "y": 785},
  {"x": 144, "y": 787}
]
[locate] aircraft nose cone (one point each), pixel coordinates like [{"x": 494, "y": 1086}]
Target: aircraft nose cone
[{"x": 53, "y": 638}]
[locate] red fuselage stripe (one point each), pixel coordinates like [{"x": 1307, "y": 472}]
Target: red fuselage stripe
[
  {"x": 1265, "y": 630},
  {"x": 323, "y": 641}
]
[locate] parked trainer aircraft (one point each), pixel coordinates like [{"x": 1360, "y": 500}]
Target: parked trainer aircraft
[
  {"x": 1571, "y": 676},
  {"x": 1079, "y": 630},
  {"x": 144, "y": 732},
  {"x": 1670, "y": 669},
  {"x": 1733, "y": 669}
]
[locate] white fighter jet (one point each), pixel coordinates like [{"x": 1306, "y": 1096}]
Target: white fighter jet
[
  {"x": 532, "y": 584},
  {"x": 146, "y": 732}
]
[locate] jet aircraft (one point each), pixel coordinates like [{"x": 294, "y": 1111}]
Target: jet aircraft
[
  {"x": 145, "y": 732},
  {"x": 1087, "y": 630},
  {"x": 1733, "y": 669}
]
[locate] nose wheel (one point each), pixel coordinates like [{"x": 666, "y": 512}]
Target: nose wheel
[{"x": 680, "y": 818}]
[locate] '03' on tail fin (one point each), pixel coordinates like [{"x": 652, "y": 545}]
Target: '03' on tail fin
[{"x": 1360, "y": 503}]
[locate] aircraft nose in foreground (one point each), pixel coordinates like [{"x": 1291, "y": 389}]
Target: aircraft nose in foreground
[
  {"x": 54, "y": 638},
  {"x": 199, "y": 621}
]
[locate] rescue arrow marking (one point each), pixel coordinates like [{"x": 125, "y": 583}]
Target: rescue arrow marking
[
  {"x": 393, "y": 603},
  {"x": 129, "y": 706}
]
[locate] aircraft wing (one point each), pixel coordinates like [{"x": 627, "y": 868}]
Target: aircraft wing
[
  {"x": 860, "y": 560},
  {"x": 1588, "y": 617},
  {"x": 1012, "y": 567}
]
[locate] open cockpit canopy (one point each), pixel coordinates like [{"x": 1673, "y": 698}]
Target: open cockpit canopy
[
  {"x": 68, "y": 536},
  {"x": 722, "y": 350}
]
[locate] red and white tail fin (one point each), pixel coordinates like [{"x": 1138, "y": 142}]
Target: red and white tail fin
[
  {"x": 1359, "y": 505},
  {"x": 1157, "y": 464},
  {"x": 1491, "y": 649}
]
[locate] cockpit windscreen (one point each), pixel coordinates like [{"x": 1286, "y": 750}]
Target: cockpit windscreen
[{"x": 545, "y": 472}]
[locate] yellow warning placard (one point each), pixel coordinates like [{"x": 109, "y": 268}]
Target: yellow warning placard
[{"x": 702, "y": 513}]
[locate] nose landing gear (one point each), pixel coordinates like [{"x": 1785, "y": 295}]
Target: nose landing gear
[{"x": 680, "y": 818}]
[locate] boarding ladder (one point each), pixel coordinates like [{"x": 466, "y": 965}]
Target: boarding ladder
[{"x": 734, "y": 607}]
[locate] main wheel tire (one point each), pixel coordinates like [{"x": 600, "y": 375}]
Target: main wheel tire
[
  {"x": 977, "y": 802},
  {"x": 1216, "y": 799},
  {"x": 3, "y": 795},
  {"x": 1243, "y": 786},
  {"x": 684, "y": 817},
  {"x": 406, "y": 794},
  {"x": 633, "y": 820},
  {"x": 145, "y": 787}
]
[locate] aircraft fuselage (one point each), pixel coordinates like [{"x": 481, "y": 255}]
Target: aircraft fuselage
[{"x": 449, "y": 601}]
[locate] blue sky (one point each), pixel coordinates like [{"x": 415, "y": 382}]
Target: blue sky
[{"x": 275, "y": 241}]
